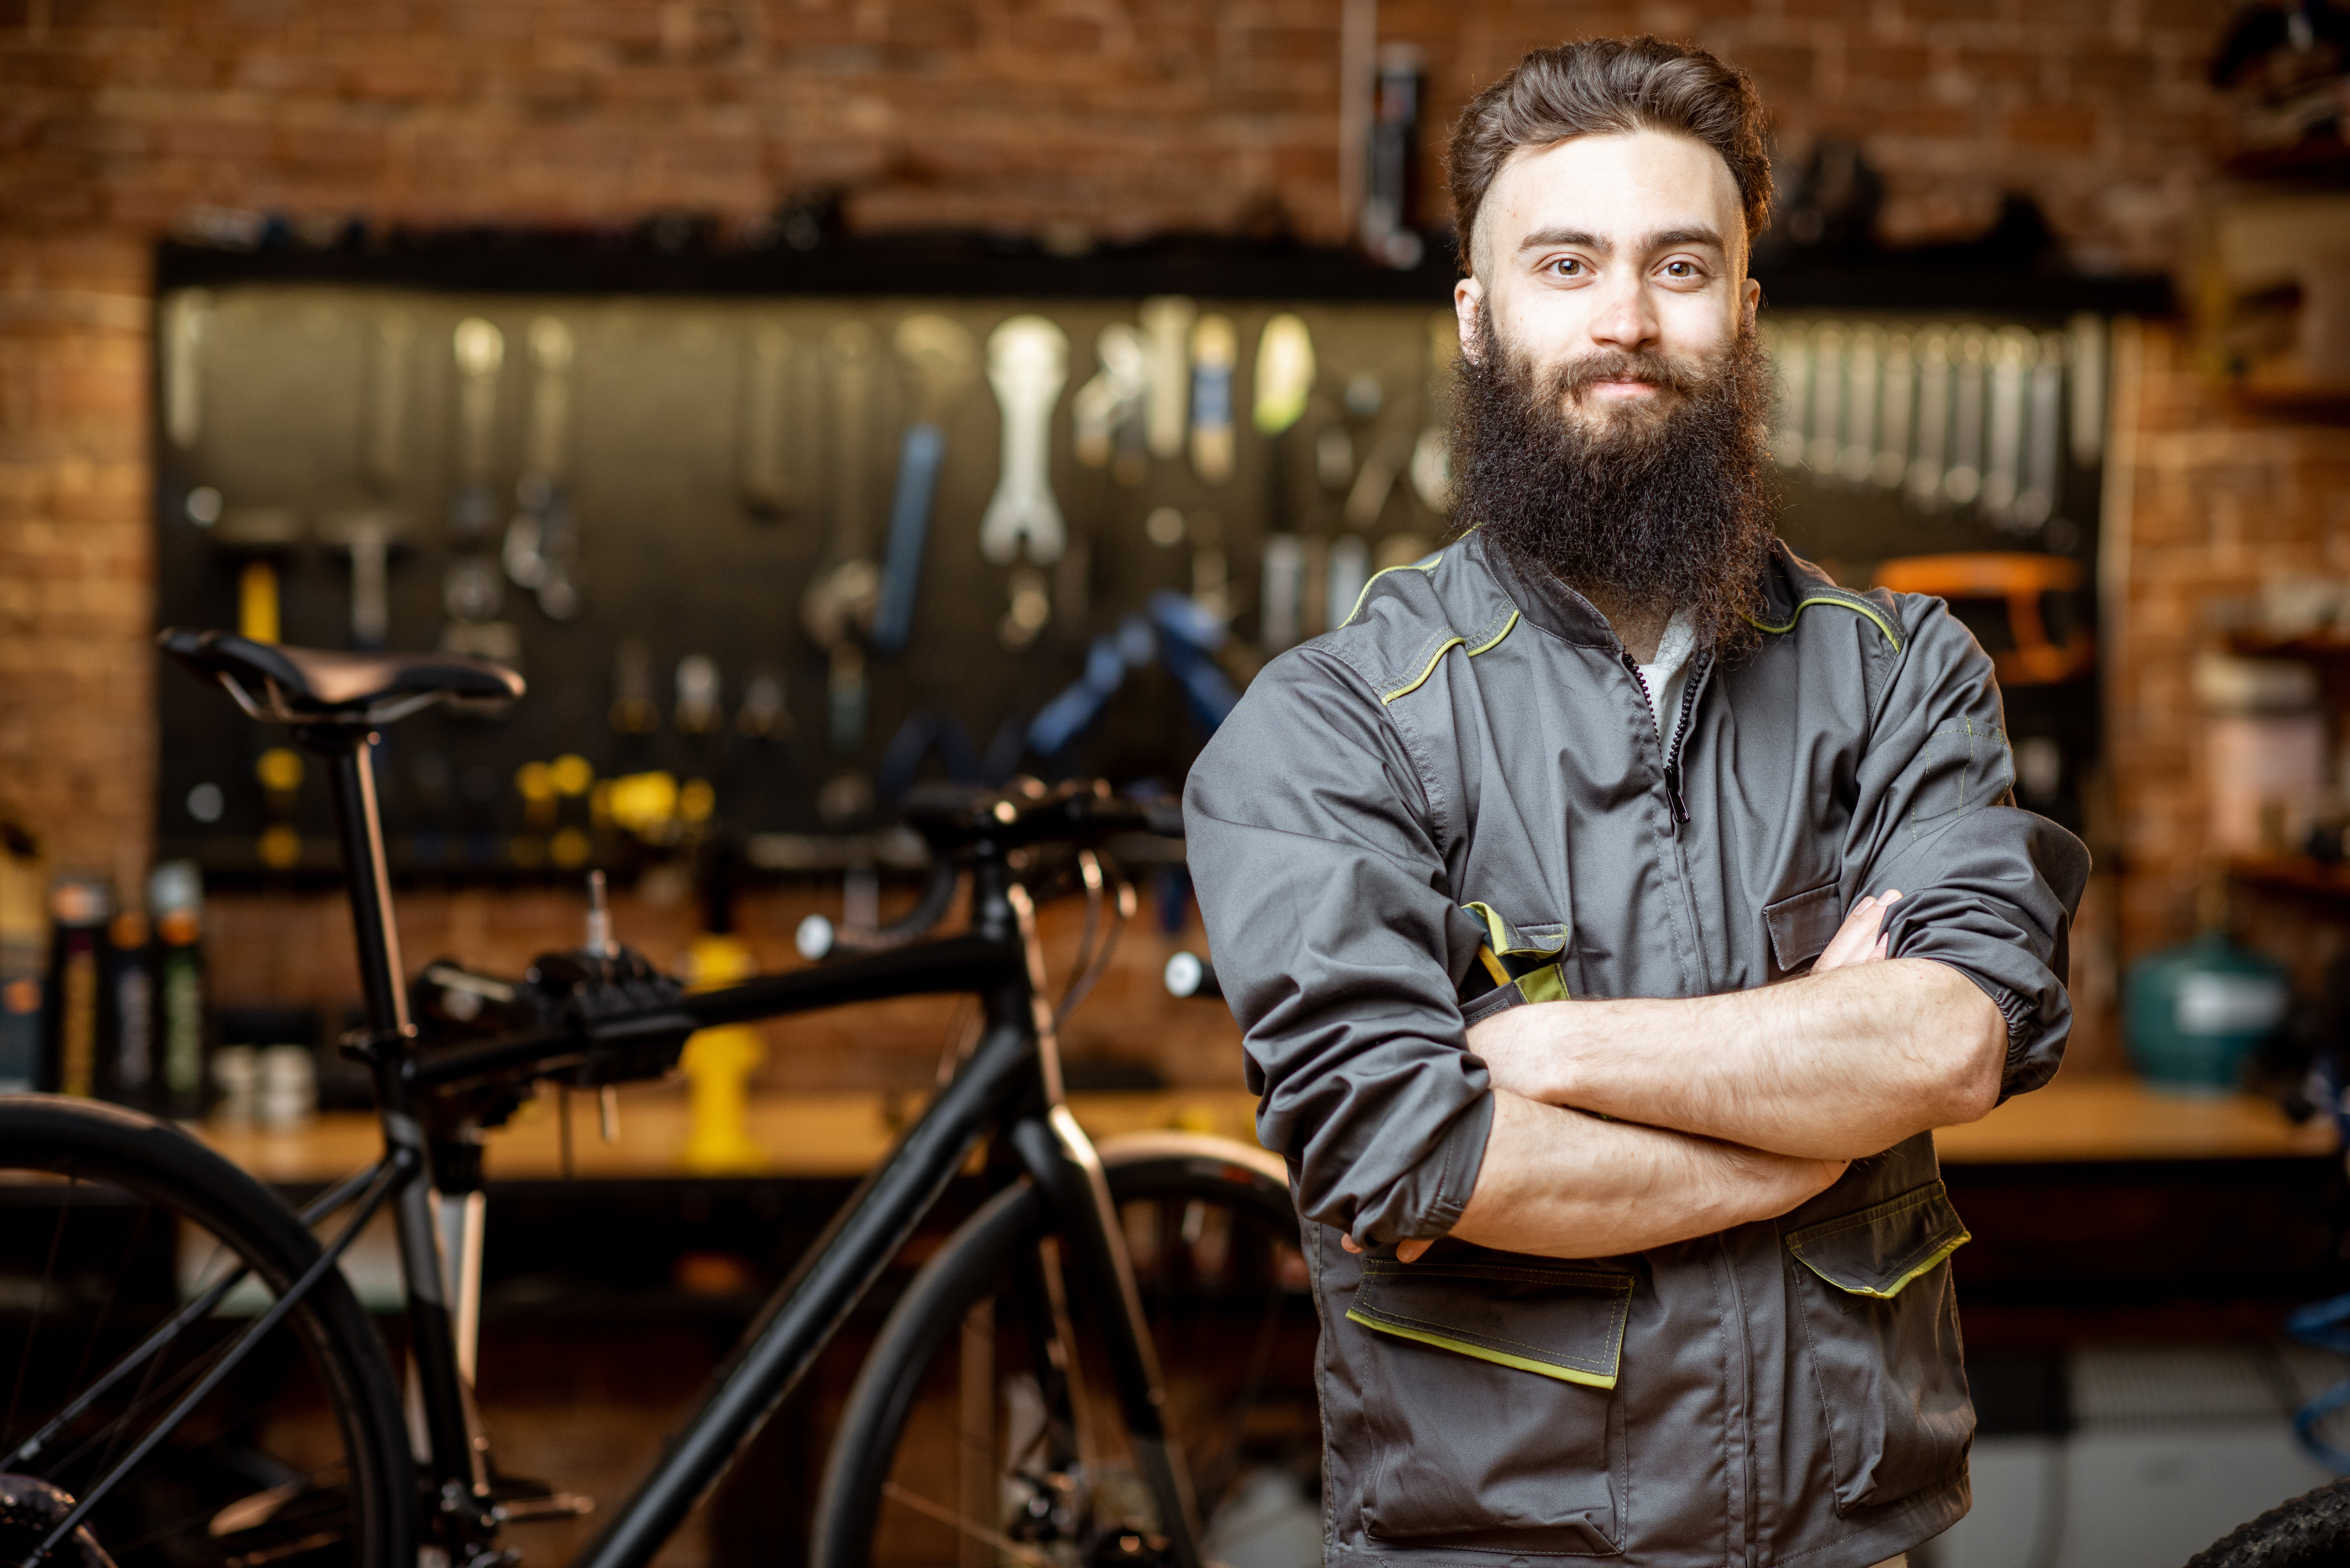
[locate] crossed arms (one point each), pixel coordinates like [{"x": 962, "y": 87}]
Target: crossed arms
[{"x": 1726, "y": 1108}]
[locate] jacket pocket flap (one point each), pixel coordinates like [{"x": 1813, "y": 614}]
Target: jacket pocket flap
[
  {"x": 1511, "y": 941},
  {"x": 1801, "y": 926},
  {"x": 1877, "y": 1250},
  {"x": 1566, "y": 1323}
]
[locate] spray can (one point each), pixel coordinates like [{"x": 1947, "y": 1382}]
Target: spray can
[
  {"x": 175, "y": 893},
  {"x": 23, "y": 961},
  {"x": 79, "y": 909}
]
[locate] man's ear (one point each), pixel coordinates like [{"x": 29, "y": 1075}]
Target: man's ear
[
  {"x": 1468, "y": 302},
  {"x": 1753, "y": 292}
]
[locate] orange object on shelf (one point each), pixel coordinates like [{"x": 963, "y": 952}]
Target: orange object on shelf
[{"x": 2019, "y": 579}]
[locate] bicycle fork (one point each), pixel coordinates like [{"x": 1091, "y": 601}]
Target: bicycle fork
[{"x": 1061, "y": 1160}]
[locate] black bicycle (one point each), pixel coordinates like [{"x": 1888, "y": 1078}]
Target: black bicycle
[{"x": 1089, "y": 1371}]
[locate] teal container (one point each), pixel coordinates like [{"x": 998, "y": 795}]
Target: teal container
[{"x": 2192, "y": 1014}]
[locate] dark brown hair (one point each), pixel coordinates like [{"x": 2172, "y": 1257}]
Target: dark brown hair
[{"x": 1610, "y": 86}]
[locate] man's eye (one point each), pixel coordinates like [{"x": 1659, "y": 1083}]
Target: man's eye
[
  {"x": 1568, "y": 266},
  {"x": 1680, "y": 269}
]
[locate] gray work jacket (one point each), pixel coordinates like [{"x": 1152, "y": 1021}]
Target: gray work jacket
[{"x": 1464, "y": 787}]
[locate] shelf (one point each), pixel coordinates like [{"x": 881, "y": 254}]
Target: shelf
[
  {"x": 838, "y": 1136},
  {"x": 2285, "y": 388},
  {"x": 2295, "y": 874},
  {"x": 2248, "y": 644}
]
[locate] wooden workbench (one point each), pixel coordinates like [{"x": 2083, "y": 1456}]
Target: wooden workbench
[{"x": 830, "y": 1135}]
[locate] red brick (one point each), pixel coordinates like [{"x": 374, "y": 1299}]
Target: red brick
[{"x": 2055, "y": 127}]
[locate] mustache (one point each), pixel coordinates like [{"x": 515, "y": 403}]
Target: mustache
[{"x": 1574, "y": 379}]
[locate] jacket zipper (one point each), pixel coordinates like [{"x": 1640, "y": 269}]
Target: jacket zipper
[
  {"x": 1673, "y": 776},
  {"x": 1673, "y": 795}
]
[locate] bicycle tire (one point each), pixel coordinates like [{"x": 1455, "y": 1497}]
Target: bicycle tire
[
  {"x": 2311, "y": 1531},
  {"x": 923, "y": 1333},
  {"x": 350, "y": 1501}
]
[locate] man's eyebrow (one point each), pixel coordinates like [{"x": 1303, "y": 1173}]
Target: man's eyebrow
[
  {"x": 1669, "y": 238},
  {"x": 1664, "y": 239},
  {"x": 1589, "y": 242}
]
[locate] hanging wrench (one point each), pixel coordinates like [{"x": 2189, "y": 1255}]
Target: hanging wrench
[{"x": 1027, "y": 364}]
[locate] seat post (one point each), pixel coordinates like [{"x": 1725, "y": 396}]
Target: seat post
[{"x": 366, "y": 874}]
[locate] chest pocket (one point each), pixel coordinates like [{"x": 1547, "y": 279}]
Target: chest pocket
[
  {"x": 1513, "y": 965},
  {"x": 1802, "y": 927}
]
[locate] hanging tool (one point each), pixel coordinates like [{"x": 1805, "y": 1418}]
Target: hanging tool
[
  {"x": 187, "y": 317},
  {"x": 633, "y": 711},
  {"x": 926, "y": 732},
  {"x": 1857, "y": 457},
  {"x": 1028, "y": 609},
  {"x": 384, "y": 454},
  {"x": 766, "y": 479},
  {"x": 471, "y": 590},
  {"x": 1110, "y": 402},
  {"x": 1284, "y": 571},
  {"x": 1215, "y": 351},
  {"x": 1167, "y": 321},
  {"x": 367, "y": 538},
  {"x": 1431, "y": 453},
  {"x": 1177, "y": 632},
  {"x": 1934, "y": 374},
  {"x": 2037, "y": 500},
  {"x": 941, "y": 361},
  {"x": 842, "y": 600},
  {"x": 698, "y": 711},
  {"x": 2012, "y": 354},
  {"x": 1826, "y": 446},
  {"x": 763, "y": 715},
  {"x": 1027, "y": 364},
  {"x": 542, "y": 542},
  {"x": 262, "y": 536},
  {"x": 1350, "y": 570},
  {"x": 1285, "y": 374},
  {"x": 1900, "y": 383},
  {"x": 1962, "y": 481},
  {"x": 1790, "y": 349}
]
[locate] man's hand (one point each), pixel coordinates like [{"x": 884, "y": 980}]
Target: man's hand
[{"x": 1856, "y": 940}]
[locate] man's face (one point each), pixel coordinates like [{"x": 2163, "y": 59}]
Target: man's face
[{"x": 1620, "y": 256}]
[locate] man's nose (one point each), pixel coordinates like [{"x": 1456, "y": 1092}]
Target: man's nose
[{"x": 1625, "y": 319}]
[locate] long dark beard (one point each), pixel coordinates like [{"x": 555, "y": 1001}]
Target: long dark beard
[{"x": 1643, "y": 511}]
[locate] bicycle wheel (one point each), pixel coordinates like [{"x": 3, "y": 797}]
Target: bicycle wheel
[
  {"x": 2313, "y": 1531},
  {"x": 116, "y": 1230},
  {"x": 981, "y": 1429}
]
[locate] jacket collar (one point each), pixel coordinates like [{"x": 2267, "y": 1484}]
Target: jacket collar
[
  {"x": 1545, "y": 601},
  {"x": 1566, "y": 615}
]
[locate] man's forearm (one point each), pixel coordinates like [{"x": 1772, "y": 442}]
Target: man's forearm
[
  {"x": 1831, "y": 1066},
  {"x": 1563, "y": 1185}
]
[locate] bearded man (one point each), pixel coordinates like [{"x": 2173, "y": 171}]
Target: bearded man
[{"x": 1614, "y": 905}]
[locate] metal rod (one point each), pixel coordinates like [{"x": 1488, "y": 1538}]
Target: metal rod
[
  {"x": 221, "y": 1368},
  {"x": 962, "y": 963},
  {"x": 800, "y": 1319},
  {"x": 173, "y": 1326}
]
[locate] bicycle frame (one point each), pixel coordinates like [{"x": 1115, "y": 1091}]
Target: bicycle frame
[{"x": 1009, "y": 1081}]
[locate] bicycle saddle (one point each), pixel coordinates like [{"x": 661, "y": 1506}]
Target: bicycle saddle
[{"x": 311, "y": 685}]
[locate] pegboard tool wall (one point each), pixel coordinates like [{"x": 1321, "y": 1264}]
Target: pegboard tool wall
[
  {"x": 713, "y": 462},
  {"x": 693, "y": 474}
]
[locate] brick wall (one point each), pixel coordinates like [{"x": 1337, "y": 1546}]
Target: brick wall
[
  {"x": 2218, "y": 496},
  {"x": 1113, "y": 116}
]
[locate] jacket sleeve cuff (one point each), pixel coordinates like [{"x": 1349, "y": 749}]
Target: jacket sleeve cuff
[
  {"x": 1457, "y": 1160},
  {"x": 2034, "y": 1048}
]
